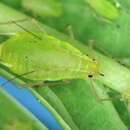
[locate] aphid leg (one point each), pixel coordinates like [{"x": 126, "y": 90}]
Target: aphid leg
[
  {"x": 28, "y": 85},
  {"x": 38, "y": 25},
  {"x": 102, "y": 49},
  {"x": 54, "y": 83},
  {"x": 41, "y": 83},
  {"x": 90, "y": 47},
  {"x": 104, "y": 20},
  {"x": 69, "y": 27},
  {"x": 97, "y": 98},
  {"x": 26, "y": 19},
  {"x": 16, "y": 22}
]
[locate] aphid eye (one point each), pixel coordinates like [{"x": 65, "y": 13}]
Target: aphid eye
[{"x": 90, "y": 76}]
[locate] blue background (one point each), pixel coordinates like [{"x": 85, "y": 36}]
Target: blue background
[{"x": 27, "y": 100}]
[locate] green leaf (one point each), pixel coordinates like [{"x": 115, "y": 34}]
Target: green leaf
[
  {"x": 14, "y": 116},
  {"x": 71, "y": 105},
  {"x": 113, "y": 35}
]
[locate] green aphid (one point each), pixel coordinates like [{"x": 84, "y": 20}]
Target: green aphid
[
  {"x": 39, "y": 56},
  {"x": 43, "y": 8},
  {"x": 126, "y": 95},
  {"x": 104, "y": 8},
  {"x": 47, "y": 57}
]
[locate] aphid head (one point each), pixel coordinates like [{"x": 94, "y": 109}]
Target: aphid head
[{"x": 94, "y": 69}]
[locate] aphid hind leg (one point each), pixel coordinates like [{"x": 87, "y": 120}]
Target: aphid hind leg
[
  {"x": 101, "y": 49},
  {"x": 69, "y": 28},
  {"x": 54, "y": 83},
  {"x": 97, "y": 98},
  {"x": 41, "y": 83},
  {"x": 30, "y": 84}
]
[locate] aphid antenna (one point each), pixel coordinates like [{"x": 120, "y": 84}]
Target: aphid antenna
[
  {"x": 103, "y": 50},
  {"x": 97, "y": 98},
  {"x": 22, "y": 20},
  {"x": 27, "y": 30}
]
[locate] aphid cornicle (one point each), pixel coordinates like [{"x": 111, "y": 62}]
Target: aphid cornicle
[{"x": 50, "y": 58}]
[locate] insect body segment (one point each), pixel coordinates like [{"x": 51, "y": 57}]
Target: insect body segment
[
  {"x": 49, "y": 58},
  {"x": 104, "y": 8},
  {"x": 44, "y": 8}
]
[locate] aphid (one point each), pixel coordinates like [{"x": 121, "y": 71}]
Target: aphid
[
  {"x": 104, "y": 8},
  {"x": 126, "y": 95},
  {"x": 41, "y": 57},
  {"x": 43, "y": 8},
  {"x": 50, "y": 58}
]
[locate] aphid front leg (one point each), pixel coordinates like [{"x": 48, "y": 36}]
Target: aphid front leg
[
  {"x": 41, "y": 83},
  {"x": 97, "y": 98},
  {"x": 69, "y": 27},
  {"x": 104, "y": 20}
]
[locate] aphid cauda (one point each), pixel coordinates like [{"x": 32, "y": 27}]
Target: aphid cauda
[
  {"x": 104, "y": 8},
  {"x": 38, "y": 56},
  {"x": 43, "y": 8}
]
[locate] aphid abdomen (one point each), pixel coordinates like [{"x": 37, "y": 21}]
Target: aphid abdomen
[{"x": 49, "y": 58}]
